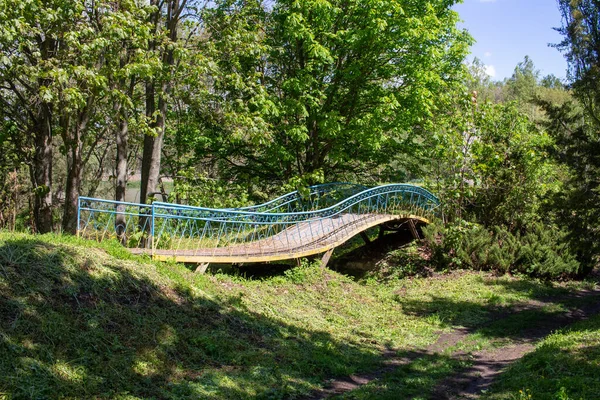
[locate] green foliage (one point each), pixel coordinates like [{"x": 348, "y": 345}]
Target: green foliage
[
  {"x": 541, "y": 251},
  {"x": 576, "y": 207},
  {"x": 408, "y": 261},
  {"x": 580, "y": 45},
  {"x": 490, "y": 164},
  {"x": 197, "y": 190},
  {"x": 563, "y": 366},
  {"x": 308, "y": 272},
  {"x": 330, "y": 93},
  {"x": 575, "y": 127}
]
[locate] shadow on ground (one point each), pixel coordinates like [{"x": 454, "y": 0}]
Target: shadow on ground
[
  {"x": 72, "y": 325},
  {"x": 565, "y": 365},
  {"x": 354, "y": 258}
]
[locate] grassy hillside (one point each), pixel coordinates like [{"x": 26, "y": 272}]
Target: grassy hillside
[
  {"x": 79, "y": 319},
  {"x": 565, "y": 365}
]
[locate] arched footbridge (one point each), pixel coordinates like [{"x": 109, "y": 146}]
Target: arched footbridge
[{"x": 296, "y": 225}]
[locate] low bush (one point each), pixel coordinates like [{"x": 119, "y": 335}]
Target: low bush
[{"x": 540, "y": 251}]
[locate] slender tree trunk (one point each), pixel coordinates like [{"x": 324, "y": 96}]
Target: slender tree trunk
[
  {"x": 74, "y": 173},
  {"x": 42, "y": 171},
  {"x": 121, "y": 186},
  {"x": 152, "y": 147},
  {"x": 153, "y": 144},
  {"x": 122, "y": 148},
  {"x": 148, "y": 184},
  {"x": 42, "y": 160}
]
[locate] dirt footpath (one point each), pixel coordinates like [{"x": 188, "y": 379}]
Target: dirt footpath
[{"x": 486, "y": 365}]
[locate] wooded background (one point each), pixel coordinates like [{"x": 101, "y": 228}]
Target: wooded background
[{"x": 228, "y": 103}]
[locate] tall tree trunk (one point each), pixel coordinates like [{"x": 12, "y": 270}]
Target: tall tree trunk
[
  {"x": 122, "y": 148},
  {"x": 153, "y": 144},
  {"x": 74, "y": 145},
  {"x": 74, "y": 173},
  {"x": 42, "y": 171},
  {"x": 121, "y": 186},
  {"x": 152, "y": 147}
]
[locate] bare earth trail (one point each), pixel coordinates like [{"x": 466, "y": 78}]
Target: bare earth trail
[{"x": 486, "y": 365}]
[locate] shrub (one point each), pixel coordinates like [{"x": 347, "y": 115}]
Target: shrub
[{"x": 540, "y": 251}]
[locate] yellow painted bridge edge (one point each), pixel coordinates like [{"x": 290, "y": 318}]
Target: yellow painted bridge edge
[{"x": 233, "y": 259}]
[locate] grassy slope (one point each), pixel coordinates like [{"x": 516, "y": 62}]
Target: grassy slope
[
  {"x": 565, "y": 365},
  {"x": 77, "y": 321}
]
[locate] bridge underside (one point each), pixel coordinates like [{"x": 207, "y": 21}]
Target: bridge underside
[{"x": 323, "y": 235}]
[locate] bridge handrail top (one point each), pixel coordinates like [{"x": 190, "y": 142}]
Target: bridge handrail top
[
  {"x": 296, "y": 192},
  {"x": 323, "y": 210},
  {"x": 118, "y": 203}
]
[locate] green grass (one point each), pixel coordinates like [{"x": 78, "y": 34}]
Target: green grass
[
  {"x": 565, "y": 365},
  {"x": 82, "y": 319}
]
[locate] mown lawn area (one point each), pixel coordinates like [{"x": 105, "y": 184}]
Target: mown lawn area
[
  {"x": 565, "y": 365},
  {"x": 80, "y": 319}
]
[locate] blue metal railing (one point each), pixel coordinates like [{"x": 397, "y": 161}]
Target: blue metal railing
[{"x": 288, "y": 223}]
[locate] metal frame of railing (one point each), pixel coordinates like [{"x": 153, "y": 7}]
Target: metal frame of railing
[{"x": 289, "y": 224}]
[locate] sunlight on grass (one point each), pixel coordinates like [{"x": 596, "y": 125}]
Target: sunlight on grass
[
  {"x": 72, "y": 374},
  {"x": 565, "y": 365},
  {"x": 92, "y": 322}
]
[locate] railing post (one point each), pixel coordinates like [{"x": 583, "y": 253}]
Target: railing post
[
  {"x": 152, "y": 230},
  {"x": 78, "y": 214}
]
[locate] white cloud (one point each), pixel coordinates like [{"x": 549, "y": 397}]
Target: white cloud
[
  {"x": 487, "y": 54},
  {"x": 490, "y": 70}
]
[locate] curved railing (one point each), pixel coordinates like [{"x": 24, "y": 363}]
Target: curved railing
[
  {"x": 317, "y": 196},
  {"x": 265, "y": 232}
]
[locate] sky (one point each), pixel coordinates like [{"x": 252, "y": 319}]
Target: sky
[{"x": 508, "y": 30}]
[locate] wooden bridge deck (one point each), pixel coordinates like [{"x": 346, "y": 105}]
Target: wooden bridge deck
[{"x": 300, "y": 240}]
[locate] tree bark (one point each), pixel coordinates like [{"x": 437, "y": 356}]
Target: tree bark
[
  {"x": 121, "y": 186},
  {"x": 122, "y": 148},
  {"x": 42, "y": 160},
  {"x": 151, "y": 157},
  {"x": 74, "y": 145},
  {"x": 42, "y": 171},
  {"x": 152, "y": 147}
]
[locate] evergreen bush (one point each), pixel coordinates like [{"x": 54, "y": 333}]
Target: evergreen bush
[{"x": 540, "y": 251}]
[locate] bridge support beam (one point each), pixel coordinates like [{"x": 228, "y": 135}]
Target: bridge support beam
[
  {"x": 413, "y": 229},
  {"x": 365, "y": 238},
  {"x": 326, "y": 257},
  {"x": 202, "y": 267}
]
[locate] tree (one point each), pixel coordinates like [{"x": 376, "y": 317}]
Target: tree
[
  {"x": 581, "y": 46},
  {"x": 478, "y": 80},
  {"x": 577, "y": 205},
  {"x": 166, "y": 20},
  {"x": 90, "y": 62},
  {"x": 61, "y": 63},
  {"x": 346, "y": 82},
  {"x": 576, "y": 127},
  {"x": 490, "y": 164},
  {"x": 29, "y": 33}
]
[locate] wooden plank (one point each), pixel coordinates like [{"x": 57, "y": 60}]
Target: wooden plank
[
  {"x": 413, "y": 230},
  {"x": 278, "y": 249}
]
